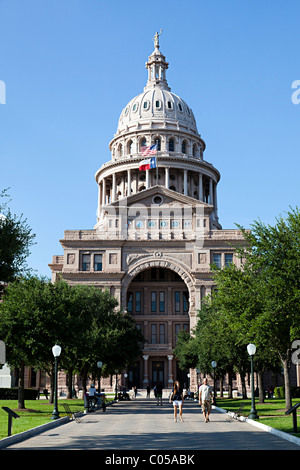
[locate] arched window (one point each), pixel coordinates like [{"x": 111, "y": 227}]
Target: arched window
[
  {"x": 130, "y": 147},
  {"x": 143, "y": 142},
  {"x": 171, "y": 145},
  {"x": 120, "y": 150},
  {"x": 183, "y": 147},
  {"x": 157, "y": 141},
  {"x": 194, "y": 150}
]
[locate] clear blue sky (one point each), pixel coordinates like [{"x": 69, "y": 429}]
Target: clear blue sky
[{"x": 70, "y": 67}]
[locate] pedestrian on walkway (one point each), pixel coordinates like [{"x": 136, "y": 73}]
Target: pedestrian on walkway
[
  {"x": 178, "y": 400},
  {"x": 148, "y": 391},
  {"x": 205, "y": 399},
  {"x": 159, "y": 390}
]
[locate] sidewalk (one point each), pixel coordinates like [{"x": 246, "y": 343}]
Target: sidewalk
[{"x": 142, "y": 425}]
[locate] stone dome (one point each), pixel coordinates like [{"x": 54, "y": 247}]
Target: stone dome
[{"x": 157, "y": 104}]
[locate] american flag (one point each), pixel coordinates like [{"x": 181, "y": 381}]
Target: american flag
[{"x": 145, "y": 151}]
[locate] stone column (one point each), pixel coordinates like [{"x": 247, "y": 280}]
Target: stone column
[
  {"x": 103, "y": 192},
  {"x": 211, "y": 197},
  {"x": 200, "y": 187},
  {"x": 145, "y": 379},
  {"x": 113, "y": 187},
  {"x": 170, "y": 377},
  {"x": 185, "y": 190},
  {"x": 128, "y": 182},
  {"x": 167, "y": 178}
]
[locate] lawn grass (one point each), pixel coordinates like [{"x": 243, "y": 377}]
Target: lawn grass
[
  {"x": 271, "y": 413},
  {"x": 37, "y": 412}
]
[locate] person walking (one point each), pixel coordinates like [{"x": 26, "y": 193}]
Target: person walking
[
  {"x": 178, "y": 400},
  {"x": 159, "y": 390},
  {"x": 205, "y": 399}
]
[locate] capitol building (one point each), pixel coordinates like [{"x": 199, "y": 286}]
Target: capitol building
[{"x": 157, "y": 230}]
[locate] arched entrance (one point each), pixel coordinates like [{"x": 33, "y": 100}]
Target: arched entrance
[{"x": 160, "y": 302}]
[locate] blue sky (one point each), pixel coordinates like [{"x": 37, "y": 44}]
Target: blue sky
[{"x": 70, "y": 67}]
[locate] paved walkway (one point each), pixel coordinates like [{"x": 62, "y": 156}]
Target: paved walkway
[{"x": 142, "y": 425}]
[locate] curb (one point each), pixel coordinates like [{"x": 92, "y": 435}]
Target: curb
[
  {"x": 7, "y": 441},
  {"x": 22, "y": 436},
  {"x": 264, "y": 427}
]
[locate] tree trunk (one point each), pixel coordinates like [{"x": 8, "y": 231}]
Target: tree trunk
[
  {"x": 21, "y": 400},
  {"x": 243, "y": 382},
  {"x": 287, "y": 385},
  {"x": 261, "y": 392},
  {"x": 70, "y": 383},
  {"x": 230, "y": 384},
  {"x": 221, "y": 387}
]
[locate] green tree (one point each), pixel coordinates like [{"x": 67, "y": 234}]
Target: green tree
[{"x": 15, "y": 240}]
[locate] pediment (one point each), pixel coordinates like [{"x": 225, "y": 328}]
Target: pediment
[{"x": 160, "y": 198}]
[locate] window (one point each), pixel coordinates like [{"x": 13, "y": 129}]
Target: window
[
  {"x": 171, "y": 145},
  {"x": 185, "y": 301},
  {"x": 183, "y": 147},
  {"x": 177, "y": 329},
  {"x": 86, "y": 262},
  {"x": 177, "y": 301},
  {"x": 161, "y": 301},
  {"x": 158, "y": 144},
  {"x": 138, "y": 301},
  {"x": 153, "y": 302},
  {"x": 162, "y": 334},
  {"x": 179, "y": 107},
  {"x": 170, "y": 105},
  {"x": 98, "y": 263},
  {"x": 228, "y": 259},
  {"x": 217, "y": 259},
  {"x": 129, "y": 302},
  {"x": 153, "y": 334}
]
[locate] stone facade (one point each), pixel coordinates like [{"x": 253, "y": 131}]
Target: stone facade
[{"x": 157, "y": 231}]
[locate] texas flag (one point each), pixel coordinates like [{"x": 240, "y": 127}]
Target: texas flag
[{"x": 147, "y": 164}]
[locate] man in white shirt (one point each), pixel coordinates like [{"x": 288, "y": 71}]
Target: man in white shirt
[{"x": 205, "y": 398}]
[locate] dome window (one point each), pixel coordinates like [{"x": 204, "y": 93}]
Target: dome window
[
  {"x": 146, "y": 105},
  {"x": 170, "y": 106},
  {"x": 171, "y": 145},
  {"x": 158, "y": 104},
  {"x": 126, "y": 111},
  {"x": 179, "y": 107},
  {"x": 135, "y": 107},
  {"x": 183, "y": 147}
]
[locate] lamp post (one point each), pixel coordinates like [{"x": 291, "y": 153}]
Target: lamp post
[
  {"x": 56, "y": 350},
  {"x": 251, "y": 348},
  {"x": 214, "y": 365},
  {"x": 99, "y": 365}
]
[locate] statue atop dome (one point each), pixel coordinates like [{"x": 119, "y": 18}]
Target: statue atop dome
[{"x": 156, "y": 38}]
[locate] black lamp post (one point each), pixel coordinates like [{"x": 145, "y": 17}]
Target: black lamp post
[
  {"x": 251, "y": 348},
  {"x": 56, "y": 350},
  {"x": 214, "y": 365},
  {"x": 99, "y": 365}
]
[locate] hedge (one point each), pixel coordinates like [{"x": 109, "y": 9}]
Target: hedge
[
  {"x": 12, "y": 394},
  {"x": 279, "y": 392}
]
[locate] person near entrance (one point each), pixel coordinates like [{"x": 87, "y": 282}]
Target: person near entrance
[
  {"x": 205, "y": 399},
  {"x": 159, "y": 390},
  {"x": 178, "y": 399}
]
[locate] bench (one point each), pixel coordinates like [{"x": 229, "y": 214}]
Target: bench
[
  {"x": 70, "y": 413},
  {"x": 235, "y": 414}
]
